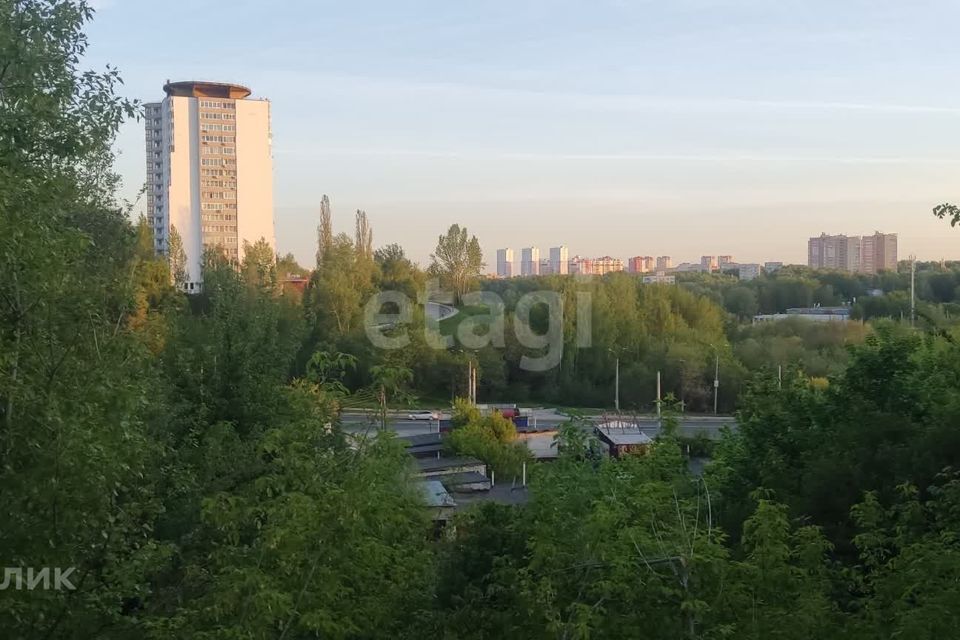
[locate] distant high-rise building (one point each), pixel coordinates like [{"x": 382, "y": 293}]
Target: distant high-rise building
[
  {"x": 606, "y": 264},
  {"x": 879, "y": 252},
  {"x": 546, "y": 267},
  {"x": 560, "y": 260},
  {"x": 209, "y": 171},
  {"x": 708, "y": 263},
  {"x": 581, "y": 266},
  {"x": 664, "y": 263},
  {"x": 749, "y": 271},
  {"x": 640, "y": 264},
  {"x": 856, "y": 254},
  {"x": 504, "y": 263},
  {"x": 529, "y": 261},
  {"x": 852, "y": 257},
  {"x": 832, "y": 252},
  {"x": 725, "y": 261}
]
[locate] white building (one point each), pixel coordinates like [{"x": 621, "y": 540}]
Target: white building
[
  {"x": 530, "y": 261},
  {"x": 660, "y": 278},
  {"x": 814, "y": 314},
  {"x": 209, "y": 171},
  {"x": 504, "y": 263},
  {"x": 560, "y": 260},
  {"x": 749, "y": 271}
]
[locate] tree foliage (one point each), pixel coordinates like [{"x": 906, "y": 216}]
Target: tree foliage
[
  {"x": 182, "y": 460},
  {"x": 457, "y": 260}
]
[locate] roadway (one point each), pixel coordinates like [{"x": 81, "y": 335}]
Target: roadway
[{"x": 690, "y": 426}]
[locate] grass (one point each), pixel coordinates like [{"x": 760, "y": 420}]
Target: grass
[{"x": 449, "y": 325}]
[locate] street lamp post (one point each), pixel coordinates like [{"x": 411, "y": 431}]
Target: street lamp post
[
  {"x": 716, "y": 384},
  {"x": 616, "y": 381}
]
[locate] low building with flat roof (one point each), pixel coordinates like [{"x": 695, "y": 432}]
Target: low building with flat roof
[
  {"x": 424, "y": 445},
  {"x": 623, "y": 438},
  {"x": 447, "y": 466},
  {"x": 816, "y": 314}
]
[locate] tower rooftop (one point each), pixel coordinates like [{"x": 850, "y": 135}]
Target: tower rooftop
[{"x": 204, "y": 89}]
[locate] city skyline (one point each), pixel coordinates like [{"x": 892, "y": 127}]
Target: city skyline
[
  {"x": 653, "y": 126},
  {"x": 560, "y": 261}
]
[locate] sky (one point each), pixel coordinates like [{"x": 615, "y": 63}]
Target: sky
[{"x": 681, "y": 127}]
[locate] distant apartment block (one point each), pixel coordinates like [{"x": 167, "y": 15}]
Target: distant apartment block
[
  {"x": 504, "y": 263},
  {"x": 725, "y": 262},
  {"x": 209, "y": 171},
  {"x": 560, "y": 260},
  {"x": 749, "y": 271},
  {"x": 660, "y": 277},
  {"x": 708, "y": 263},
  {"x": 771, "y": 267},
  {"x": 581, "y": 266},
  {"x": 664, "y": 263},
  {"x": 606, "y": 264},
  {"x": 641, "y": 264},
  {"x": 546, "y": 267},
  {"x": 879, "y": 252},
  {"x": 530, "y": 261},
  {"x": 834, "y": 252},
  {"x": 855, "y": 254}
]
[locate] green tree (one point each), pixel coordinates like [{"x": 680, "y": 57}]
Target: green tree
[
  {"x": 397, "y": 272},
  {"x": 287, "y": 265},
  {"x": 741, "y": 302},
  {"x": 492, "y": 439},
  {"x": 259, "y": 266},
  {"x": 457, "y": 260},
  {"x": 909, "y": 562},
  {"x": 781, "y": 589},
  {"x": 177, "y": 258},
  {"x": 336, "y": 292},
  {"x": 328, "y": 370},
  {"x": 324, "y": 231},
  {"x": 77, "y": 465},
  {"x": 363, "y": 240}
]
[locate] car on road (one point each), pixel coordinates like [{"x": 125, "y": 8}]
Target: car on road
[{"x": 424, "y": 415}]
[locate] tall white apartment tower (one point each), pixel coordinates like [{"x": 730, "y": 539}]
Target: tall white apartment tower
[
  {"x": 209, "y": 171},
  {"x": 504, "y": 263},
  {"x": 530, "y": 261},
  {"x": 560, "y": 260}
]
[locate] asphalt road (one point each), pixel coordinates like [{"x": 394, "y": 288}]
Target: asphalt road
[{"x": 399, "y": 422}]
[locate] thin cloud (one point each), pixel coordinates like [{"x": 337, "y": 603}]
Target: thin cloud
[
  {"x": 732, "y": 157},
  {"x": 392, "y": 88}
]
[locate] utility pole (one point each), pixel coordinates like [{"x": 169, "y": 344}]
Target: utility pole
[
  {"x": 616, "y": 380},
  {"x": 658, "y": 395},
  {"x": 470, "y": 381},
  {"x": 716, "y": 384},
  {"x": 473, "y": 388},
  {"x": 779, "y": 376},
  {"x": 383, "y": 408}
]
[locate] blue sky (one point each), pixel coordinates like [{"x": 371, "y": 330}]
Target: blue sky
[{"x": 686, "y": 127}]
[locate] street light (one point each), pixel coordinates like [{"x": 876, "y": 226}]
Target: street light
[
  {"x": 616, "y": 381},
  {"x": 716, "y": 379}
]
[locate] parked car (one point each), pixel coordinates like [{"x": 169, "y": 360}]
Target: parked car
[{"x": 424, "y": 415}]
